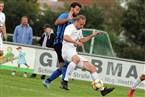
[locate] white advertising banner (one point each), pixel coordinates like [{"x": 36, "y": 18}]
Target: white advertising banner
[
  {"x": 111, "y": 70},
  {"x": 44, "y": 61}
]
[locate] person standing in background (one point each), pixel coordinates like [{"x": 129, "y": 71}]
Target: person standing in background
[
  {"x": 23, "y": 33},
  {"x": 46, "y": 40},
  {"x": 2, "y": 28}
]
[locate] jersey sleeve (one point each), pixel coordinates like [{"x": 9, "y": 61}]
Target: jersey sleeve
[
  {"x": 68, "y": 30},
  {"x": 63, "y": 16}
]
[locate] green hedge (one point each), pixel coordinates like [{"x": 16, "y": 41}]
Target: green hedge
[{"x": 133, "y": 53}]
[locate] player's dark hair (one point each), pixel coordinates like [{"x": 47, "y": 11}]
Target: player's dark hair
[
  {"x": 80, "y": 17},
  {"x": 74, "y": 4}
]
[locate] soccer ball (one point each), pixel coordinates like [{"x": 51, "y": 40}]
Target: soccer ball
[{"x": 97, "y": 84}]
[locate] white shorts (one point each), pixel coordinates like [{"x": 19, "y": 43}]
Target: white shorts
[
  {"x": 69, "y": 53},
  {"x": 144, "y": 70},
  {"x": 1, "y": 43}
]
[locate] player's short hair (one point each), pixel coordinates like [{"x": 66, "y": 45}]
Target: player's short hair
[
  {"x": 80, "y": 17},
  {"x": 24, "y": 17},
  {"x": 74, "y": 4}
]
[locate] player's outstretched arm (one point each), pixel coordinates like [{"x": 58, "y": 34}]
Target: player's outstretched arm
[{"x": 85, "y": 39}]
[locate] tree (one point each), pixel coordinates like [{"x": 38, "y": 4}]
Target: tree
[
  {"x": 15, "y": 9},
  {"x": 94, "y": 15},
  {"x": 133, "y": 22}
]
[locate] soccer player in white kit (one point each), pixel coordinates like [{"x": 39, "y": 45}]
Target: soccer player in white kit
[
  {"x": 136, "y": 83},
  {"x": 72, "y": 38},
  {"x": 2, "y": 27}
]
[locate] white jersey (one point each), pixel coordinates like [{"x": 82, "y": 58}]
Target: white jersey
[
  {"x": 2, "y": 18},
  {"x": 2, "y": 22},
  {"x": 69, "y": 49},
  {"x": 75, "y": 34}
]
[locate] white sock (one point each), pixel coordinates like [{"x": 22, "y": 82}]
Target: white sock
[
  {"x": 69, "y": 70},
  {"x": 95, "y": 76},
  {"x": 136, "y": 83}
]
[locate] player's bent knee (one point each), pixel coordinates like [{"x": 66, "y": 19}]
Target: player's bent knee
[
  {"x": 1, "y": 53},
  {"x": 142, "y": 77},
  {"x": 76, "y": 59}
]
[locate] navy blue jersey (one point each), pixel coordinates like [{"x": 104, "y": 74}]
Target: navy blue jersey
[{"x": 61, "y": 28}]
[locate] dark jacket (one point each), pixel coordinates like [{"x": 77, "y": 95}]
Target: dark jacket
[{"x": 50, "y": 40}]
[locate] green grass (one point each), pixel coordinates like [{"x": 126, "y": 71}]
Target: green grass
[
  {"x": 18, "y": 86},
  {"x": 12, "y": 68}
]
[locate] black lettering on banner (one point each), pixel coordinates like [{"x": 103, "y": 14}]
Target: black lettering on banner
[
  {"x": 97, "y": 64},
  {"x": 110, "y": 69},
  {"x": 49, "y": 60},
  {"x": 132, "y": 72}
]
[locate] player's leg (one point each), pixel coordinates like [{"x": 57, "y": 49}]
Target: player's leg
[
  {"x": 1, "y": 52},
  {"x": 52, "y": 77},
  {"x": 64, "y": 68},
  {"x": 136, "y": 83},
  {"x": 57, "y": 72},
  {"x": 92, "y": 69},
  {"x": 133, "y": 87},
  {"x": 75, "y": 60},
  {"x": 62, "y": 65},
  {"x": 71, "y": 66}
]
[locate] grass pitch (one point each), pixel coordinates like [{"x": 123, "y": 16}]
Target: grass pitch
[{"x": 18, "y": 86}]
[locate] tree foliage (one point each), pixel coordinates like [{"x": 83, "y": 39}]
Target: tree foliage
[
  {"x": 133, "y": 22},
  {"x": 94, "y": 15},
  {"x": 15, "y": 9}
]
